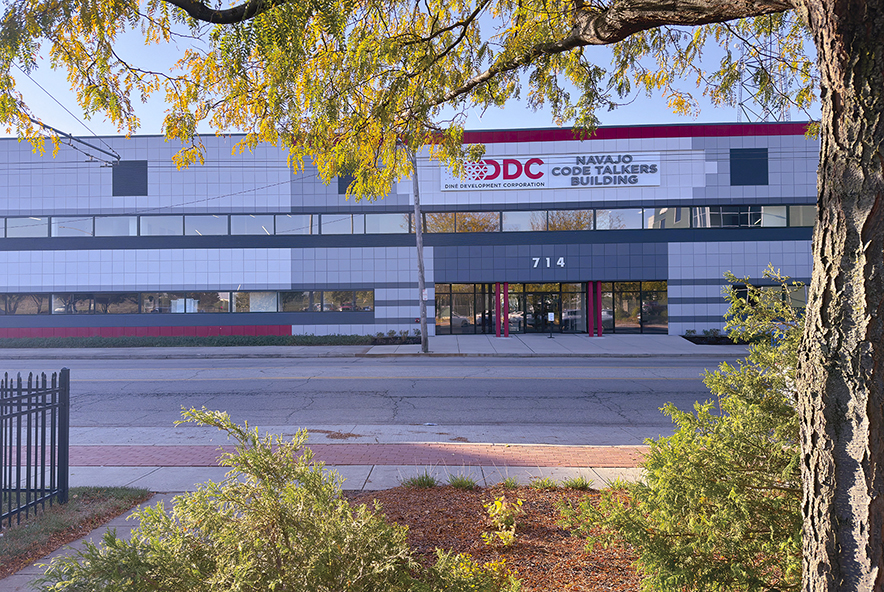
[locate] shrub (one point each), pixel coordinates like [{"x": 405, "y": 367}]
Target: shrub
[
  {"x": 579, "y": 483},
  {"x": 502, "y": 515},
  {"x": 462, "y": 482},
  {"x": 277, "y": 522},
  {"x": 423, "y": 481},
  {"x": 542, "y": 483},
  {"x": 509, "y": 483},
  {"x": 719, "y": 505}
]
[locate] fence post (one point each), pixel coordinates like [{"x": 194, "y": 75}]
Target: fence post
[{"x": 64, "y": 434}]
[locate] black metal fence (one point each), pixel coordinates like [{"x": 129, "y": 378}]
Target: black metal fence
[{"x": 35, "y": 440}]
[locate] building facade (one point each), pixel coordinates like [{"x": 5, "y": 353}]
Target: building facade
[{"x": 629, "y": 232}]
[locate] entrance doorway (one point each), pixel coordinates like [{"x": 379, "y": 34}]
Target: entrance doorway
[{"x": 539, "y": 305}]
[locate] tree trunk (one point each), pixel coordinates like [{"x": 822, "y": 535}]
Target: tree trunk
[
  {"x": 841, "y": 372},
  {"x": 419, "y": 238}
]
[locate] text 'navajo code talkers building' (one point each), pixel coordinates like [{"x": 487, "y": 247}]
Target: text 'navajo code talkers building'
[{"x": 629, "y": 232}]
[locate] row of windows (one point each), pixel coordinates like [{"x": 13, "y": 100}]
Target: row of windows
[
  {"x": 331, "y": 224},
  {"x": 187, "y": 302}
]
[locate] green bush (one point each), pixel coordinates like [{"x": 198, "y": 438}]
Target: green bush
[
  {"x": 277, "y": 522},
  {"x": 719, "y": 507}
]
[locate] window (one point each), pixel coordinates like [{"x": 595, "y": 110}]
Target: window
[
  {"x": 365, "y": 300},
  {"x": 295, "y": 301},
  {"x": 116, "y": 226},
  {"x": 255, "y": 302},
  {"x": 386, "y": 223},
  {"x": 337, "y": 301},
  {"x": 439, "y": 222},
  {"x": 251, "y": 224},
  {"x": 116, "y": 303},
  {"x": 162, "y": 302},
  {"x": 162, "y": 225},
  {"x": 627, "y": 219},
  {"x": 71, "y": 226},
  {"x": 802, "y": 215},
  {"x": 27, "y": 304},
  {"x": 570, "y": 220},
  {"x": 205, "y": 225},
  {"x": 32, "y": 227},
  {"x": 477, "y": 222},
  {"x": 343, "y": 223},
  {"x": 667, "y": 218},
  {"x": 207, "y": 302},
  {"x": 772, "y": 216},
  {"x": 524, "y": 221},
  {"x": 297, "y": 224},
  {"x": 71, "y": 303}
]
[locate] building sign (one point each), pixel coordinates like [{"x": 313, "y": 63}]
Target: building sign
[{"x": 597, "y": 170}]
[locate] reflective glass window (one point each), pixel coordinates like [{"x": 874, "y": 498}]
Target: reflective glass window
[
  {"x": 439, "y": 222},
  {"x": 297, "y": 224},
  {"x": 524, "y": 221},
  {"x": 386, "y": 223},
  {"x": 364, "y": 300},
  {"x": 254, "y": 302},
  {"x": 667, "y": 218},
  {"x": 343, "y": 223},
  {"x": 162, "y": 302},
  {"x": 2, "y": 304},
  {"x": 205, "y": 225},
  {"x": 162, "y": 225},
  {"x": 79, "y": 226},
  {"x": 702, "y": 217},
  {"x": 2, "y": 227},
  {"x": 625, "y": 219},
  {"x": 28, "y": 304},
  {"x": 207, "y": 302},
  {"x": 294, "y": 301},
  {"x": 251, "y": 224},
  {"x": 570, "y": 220},
  {"x": 477, "y": 222},
  {"x": 773, "y": 216},
  {"x": 71, "y": 303},
  {"x": 116, "y": 303},
  {"x": 443, "y": 312},
  {"x": 654, "y": 312},
  {"x": 32, "y": 227},
  {"x": 573, "y": 310},
  {"x": 116, "y": 226},
  {"x": 337, "y": 301},
  {"x": 802, "y": 215}
]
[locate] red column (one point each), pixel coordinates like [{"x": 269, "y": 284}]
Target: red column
[
  {"x": 506, "y": 309},
  {"x": 497, "y": 309},
  {"x": 598, "y": 306},
  {"x": 590, "y": 309}
]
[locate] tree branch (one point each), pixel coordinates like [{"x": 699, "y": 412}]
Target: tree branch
[
  {"x": 229, "y": 16},
  {"x": 593, "y": 26}
]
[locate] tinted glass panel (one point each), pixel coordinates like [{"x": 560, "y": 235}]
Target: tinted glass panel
[
  {"x": 294, "y": 301},
  {"x": 71, "y": 226},
  {"x": 297, "y": 224},
  {"x": 626, "y": 219},
  {"x": 251, "y": 224},
  {"x": 205, "y": 225},
  {"x": 667, "y": 218},
  {"x": 463, "y": 313},
  {"x": 365, "y": 300},
  {"x": 116, "y": 303},
  {"x": 386, "y": 223},
  {"x": 478, "y": 222},
  {"x": 802, "y": 215},
  {"x": 71, "y": 303},
  {"x": 27, "y": 227},
  {"x": 570, "y": 220},
  {"x": 162, "y": 225},
  {"x": 773, "y": 216},
  {"x": 207, "y": 302},
  {"x": 336, "y": 301},
  {"x": 341, "y": 224},
  {"x": 439, "y": 222},
  {"x": 254, "y": 302},
  {"x": 162, "y": 302},
  {"x": 27, "y": 304},
  {"x": 574, "y": 312},
  {"x": 524, "y": 221},
  {"x": 627, "y": 312},
  {"x": 654, "y": 313},
  {"x": 116, "y": 226}
]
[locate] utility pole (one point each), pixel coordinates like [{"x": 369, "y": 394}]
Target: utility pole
[{"x": 419, "y": 237}]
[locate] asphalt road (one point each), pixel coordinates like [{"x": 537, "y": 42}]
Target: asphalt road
[{"x": 514, "y": 393}]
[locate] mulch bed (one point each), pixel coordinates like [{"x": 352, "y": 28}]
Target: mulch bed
[{"x": 544, "y": 556}]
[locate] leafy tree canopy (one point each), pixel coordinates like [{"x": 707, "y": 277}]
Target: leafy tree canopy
[{"x": 346, "y": 83}]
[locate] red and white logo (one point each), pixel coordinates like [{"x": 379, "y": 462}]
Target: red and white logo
[{"x": 508, "y": 168}]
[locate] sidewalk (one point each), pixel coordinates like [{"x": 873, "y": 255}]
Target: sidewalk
[{"x": 561, "y": 345}]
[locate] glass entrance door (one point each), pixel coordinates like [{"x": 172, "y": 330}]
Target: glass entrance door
[{"x": 539, "y": 305}]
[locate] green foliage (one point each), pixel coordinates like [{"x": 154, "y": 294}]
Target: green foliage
[
  {"x": 462, "y": 482},
  {"x": 502, "y": 514},
  {"x": 719, "y": 505},
  {"x": 542, "y": 483},
  {"x": 422, "y": 481},
  {"x": 277, "y": 522},
  {"x": 460, "y": 573},
  {"x": 579, "y": 483},
  {"x": 509, "y": 483}
]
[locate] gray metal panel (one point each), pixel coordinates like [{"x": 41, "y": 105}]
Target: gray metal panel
[{"x": 188, "y": 320}]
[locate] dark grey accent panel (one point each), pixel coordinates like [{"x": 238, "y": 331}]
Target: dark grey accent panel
[
  {"x": 344, "y": 181},
  {"x": 749, "y": 166},
  {"x": 698, "y": 319},
  {"x": 414, "y": 302},
  {"x": 543, "y": 263},
  {"x": 696, "y": 300},
  {"x": 130, "y": 178},
  {"x": 722, "y": 282},
  {"x": 403, "y": 321},
  {"x": 188, "y": 320}
]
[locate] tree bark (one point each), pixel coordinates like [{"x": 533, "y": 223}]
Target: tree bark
[
  {"x": 419, "y": 239},
  {"x": 841, "y": 371}
]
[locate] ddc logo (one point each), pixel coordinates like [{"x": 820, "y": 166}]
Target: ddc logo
[{"x": 510, "y": 168}]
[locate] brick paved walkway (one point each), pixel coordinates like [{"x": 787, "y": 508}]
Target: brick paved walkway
[{"x": 444, "y": 454}]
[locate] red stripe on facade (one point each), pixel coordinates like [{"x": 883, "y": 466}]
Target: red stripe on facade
[
  {"x": 253, "y": 330},
  {"x": 718, "y": 130}
]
